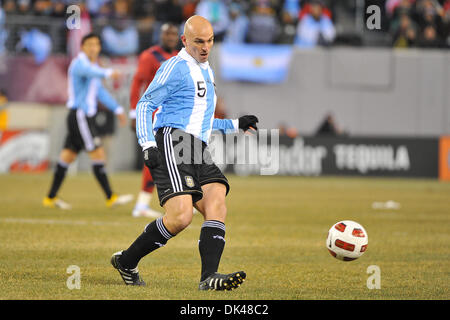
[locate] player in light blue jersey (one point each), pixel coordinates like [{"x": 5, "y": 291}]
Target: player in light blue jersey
[
  {"x": 182, "y": 99},
  {"x": 85, "y": 88}
]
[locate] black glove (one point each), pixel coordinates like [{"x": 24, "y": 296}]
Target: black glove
[
  {"x": 247, "y": 122},
  {"x": 152, "y": 157}
]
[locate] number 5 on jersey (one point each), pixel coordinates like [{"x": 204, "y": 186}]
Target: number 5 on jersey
[{"x": 201, "y": 89}]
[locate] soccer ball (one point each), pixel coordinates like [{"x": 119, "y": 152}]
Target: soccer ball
[{"x": 347, "y": 240}]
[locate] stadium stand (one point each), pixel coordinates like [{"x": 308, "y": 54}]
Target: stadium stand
[{"x": 405, "y": 23}]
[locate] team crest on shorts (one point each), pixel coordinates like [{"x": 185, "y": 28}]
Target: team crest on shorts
[{"x": 189, "y": 181}]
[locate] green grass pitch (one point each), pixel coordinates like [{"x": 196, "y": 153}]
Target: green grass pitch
[{"x": 276, "y": 232}]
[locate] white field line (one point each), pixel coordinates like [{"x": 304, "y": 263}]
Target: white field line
[
  {"x": 77, "y": 222},
  {"x": 60, "y": 222}
]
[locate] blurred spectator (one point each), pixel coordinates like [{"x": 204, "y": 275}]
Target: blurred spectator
[
  {"x": 217, "y": 13},
  {"x": 404, "y": 33},
  {"x": 398, "y": 12},
  {"x": 3, "y": 32},
  {"x": 431, "y": 13},
  {"x": 189, "y": 8},
  {"x": 291, "y": 8},
  {"x": 121, "y": 37},
  {"x": 24, "y": 8},
  {"x": 420, "y": 22},
  {"x": 94, "y": 6},
  {"x": 284, "y": 130},
  {"x": 289, "y": 18},
  {"x": 315, "y": 28},
  {"x": 307, "y": 7},
  {"x": 169, "y": 11},
  {"x": 104, "y": 14},
  {"x": 446, "y": 8},
  {"x": 9, "y": 6},
  {"x": 166, "y": 11},
  {"x": 238, "y": 26},
  {"x": 305, "y": 23},
  {"x": 263, "y": 25},
  {"x": 42, "y": 8},
  {"x": 390, "y": 6},
  {"x": 446, "y": 19},
  {"x": 402, "y": 8},
  {"x": 397, "y": 7},
  {"x": 429, "y": 38},
  {"x": 328, "y": 127},
  {"x": 58, "y": 9},
  {"x": 143, "y": 12}
]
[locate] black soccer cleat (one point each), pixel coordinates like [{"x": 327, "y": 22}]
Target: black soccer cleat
[
  {"x": 131, "y": 277},
  {"x": 219, "y": 282}
]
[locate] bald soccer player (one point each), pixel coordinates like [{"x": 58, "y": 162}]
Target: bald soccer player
[{"x": 183, "y": 93}]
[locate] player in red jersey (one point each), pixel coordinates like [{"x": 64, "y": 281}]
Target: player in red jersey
[{"x": 149, "y": 62}]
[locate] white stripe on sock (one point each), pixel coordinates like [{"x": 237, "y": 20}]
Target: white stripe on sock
[
  {"x": 214, "y": 224},
  {"x": 162, "y": 229}
]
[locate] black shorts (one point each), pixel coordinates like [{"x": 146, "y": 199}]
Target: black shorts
[
  {"x": 186, "y": 166},
  {"x": 82, "y": 133}
]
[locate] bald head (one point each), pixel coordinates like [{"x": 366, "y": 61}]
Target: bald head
[
  {"x": 197, "y": 25},
  {"x": 198, "y": 38}
]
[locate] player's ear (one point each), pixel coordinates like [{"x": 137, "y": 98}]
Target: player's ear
[{"x": 183, "y": 39}]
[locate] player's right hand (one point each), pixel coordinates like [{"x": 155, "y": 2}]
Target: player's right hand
[
  {"x": 152, "y": 157},
  {"x": 122, "y": 119}
]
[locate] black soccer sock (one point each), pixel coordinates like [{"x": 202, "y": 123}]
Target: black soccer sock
[
  {"x": 211, "y": 245},
  {"x": 58, "y": 178},
  {"x": 102, "y": 178},
  {"x": 155, "y": 235}
]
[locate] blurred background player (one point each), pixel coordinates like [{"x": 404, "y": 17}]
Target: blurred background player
[
  {"x": 85, "y": 88},
  {"x": 149, "y": 62}
]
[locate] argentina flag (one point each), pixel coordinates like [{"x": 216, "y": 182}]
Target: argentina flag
[{"x": 264, "y": 63}]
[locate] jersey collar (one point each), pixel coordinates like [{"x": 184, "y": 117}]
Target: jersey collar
[
  {"x": 84, "y": 57},
  {"x": 183, "y": 54}
]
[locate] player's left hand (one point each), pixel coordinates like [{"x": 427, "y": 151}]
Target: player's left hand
[{"x": 248, "y": 122}]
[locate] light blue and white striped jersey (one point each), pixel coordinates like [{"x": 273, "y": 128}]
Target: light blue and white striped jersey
[
  {"x": 183, "y": 93},
  {"x": 85, "y": 86}
]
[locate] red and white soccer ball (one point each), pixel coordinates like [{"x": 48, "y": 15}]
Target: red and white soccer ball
[{"x": 347, "y": 240}]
